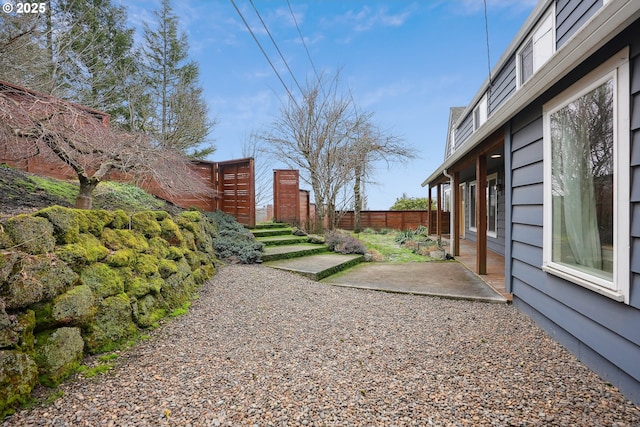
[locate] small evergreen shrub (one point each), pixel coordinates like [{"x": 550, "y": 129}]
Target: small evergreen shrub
[
  {"x": 234, "y": 242},
  {"x": 344, "y": 243}
]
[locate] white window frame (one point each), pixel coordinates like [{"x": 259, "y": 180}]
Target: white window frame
[
  {"x": 473, "y": 197},
  {"x": 494, "y": 234},
  {"x": 618, "y": 289},
  {"x": 480, "y": 113},
  {"x": 541, "y": 52}
]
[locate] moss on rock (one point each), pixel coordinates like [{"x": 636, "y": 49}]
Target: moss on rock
[
  {"x": 121, "y": 220},
  {"x": 146, "y": 223},
  {"x": 122, "y": 258},
  {"x": 65, "y": 223},
  {"x": 103, "y": 280},
  {"x": 146, "y": 265},
  {"x": 121, "y": 239},
  {"x": 112, "y": 324},
  {"x": 5, "y": 240},
  {"x": 171, "y": 232},
  {"x": 75, "y": 307},
  {"x": 33, "y": 235},
  {"x": 58, "y": 354},
  {"x": 36, "y": 278},
  {"x": 16, "y": 331},
  {"x": 138, "y": 287},
  {"x": 18, "y": 376},
  {"x": 148, "y": 310},
  {"x": 158, "y": 247},
  {"x": 93, "y": 221}
]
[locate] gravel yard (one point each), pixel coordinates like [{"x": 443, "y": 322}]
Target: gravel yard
[{"x": 264, "y": 347}]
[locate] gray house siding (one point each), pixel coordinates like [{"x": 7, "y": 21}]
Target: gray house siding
[
  {"x": 571, "y": 15},
  {"x": 503, "y": 85},
  {"x": 464, "y": 130},
  {"x": 603, "y": 333}
]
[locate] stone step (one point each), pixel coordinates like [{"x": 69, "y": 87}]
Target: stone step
[
  {"x": 267, "y": 225},
  {"x": 271, "y": 232},
  {"x": 282, "y": 240},
  {"x": 317, "y": 267},
  {"x": 272, "y": 253}
]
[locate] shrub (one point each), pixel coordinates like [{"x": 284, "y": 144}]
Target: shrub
[
  {"x": 343, "y": 243},
  {"x": 234, "y": 242}
]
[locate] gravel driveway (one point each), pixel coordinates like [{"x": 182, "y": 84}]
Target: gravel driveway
[{"x": 265, "y": 347}]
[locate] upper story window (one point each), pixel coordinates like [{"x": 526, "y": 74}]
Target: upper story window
[
  {"x": 537, "y": 49},
  {"x": 480, "y": 113}
]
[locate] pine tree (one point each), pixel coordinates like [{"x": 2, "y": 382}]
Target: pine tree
[{"x": 179, "y": 113}]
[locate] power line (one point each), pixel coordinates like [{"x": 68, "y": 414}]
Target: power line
[
  {"x": 276, "y": 46},
  {"x": 303, "y": 42},
  {"x": 263, "y": 52},
  {"x": 486, "y": 30}
]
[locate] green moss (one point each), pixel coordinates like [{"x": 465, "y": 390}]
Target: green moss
[
  {"x": 103, "y": 280},
  {"x": 204, "y": 273},
  {"x": 148, "y": 310},
  {"x": 74, "y": 254},
  {"x": 31, "y": 234},
  {"x": 36, "y": 278},
  {"x": 17, "y": 331},
  {"x": 93, "y": 221},
  {"x": 146, "y": 223},
  {"x": 171, "y": 232},
  {"x": 5, "y": 240},
  {"x": 18, "y": 376},
  {"x": 121, "y": 220},
  {"x": 158, "y": 247},
  {"x": 122, "y": 258},
  {"x": 146, "y": 265},
  {"x": 65, "y": 223},
  {"x": 167, "y": 267},
  {"x": 138, "y": 287},
  {"x": 121, "y": 239},
  {"x": 58, "y": 354},
  {"x": 112, "y": 325},
  {"x": 75, "y": 307},
  {"x": 175, "y": 253}
]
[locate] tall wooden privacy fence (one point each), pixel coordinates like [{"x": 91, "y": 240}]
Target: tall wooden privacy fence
[{"x": 377, "y": 220}]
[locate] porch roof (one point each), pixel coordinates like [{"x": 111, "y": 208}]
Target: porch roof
[{"x": 595, "y": 33}]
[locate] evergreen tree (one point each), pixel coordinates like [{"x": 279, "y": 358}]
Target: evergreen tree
[{"x": 179, "y": 112}]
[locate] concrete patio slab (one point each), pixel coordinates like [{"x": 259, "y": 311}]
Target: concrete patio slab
[{"x": 448, "y": 279}]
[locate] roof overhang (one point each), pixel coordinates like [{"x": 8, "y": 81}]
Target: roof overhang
[{"x": 607, "y": 23}]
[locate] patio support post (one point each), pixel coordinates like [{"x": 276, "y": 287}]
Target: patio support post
[
  {"x": 481, "y": 214},
  {"x": 439, "y": 211},
  {"x": 429, "y": 210},
  {"x": 454, "y": 225}
]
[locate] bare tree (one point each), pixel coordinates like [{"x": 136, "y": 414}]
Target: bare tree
[
  {"x": 263, "y": 175},
  {"x": 37, "y": 125},
  {"x": 313, "y": 135}
]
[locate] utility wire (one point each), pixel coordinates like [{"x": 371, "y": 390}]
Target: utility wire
[
  {"x": 276, "y": 46},
  {"x": 263, "y": 52},
  {"x": 303, "y": 42},
  {"x": 486, "y": 30}
]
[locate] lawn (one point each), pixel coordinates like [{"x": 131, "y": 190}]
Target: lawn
[{"x": 391, "y": 251}]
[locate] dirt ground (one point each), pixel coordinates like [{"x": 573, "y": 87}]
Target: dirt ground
[{"x": 16, "y": 199}]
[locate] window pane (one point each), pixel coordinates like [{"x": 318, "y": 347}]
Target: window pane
[
  {"x": 582, "y": 183},
  {"x": 526, "y": 62},
  {"x": 472, "y": 205},
  {"x": 492, "y": 205}
]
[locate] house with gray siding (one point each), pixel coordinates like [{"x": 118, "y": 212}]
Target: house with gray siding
[{"x": 544, "y": 169}]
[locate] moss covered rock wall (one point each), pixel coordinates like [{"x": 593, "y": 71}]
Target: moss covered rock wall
[{"x": 75, "y": 282}]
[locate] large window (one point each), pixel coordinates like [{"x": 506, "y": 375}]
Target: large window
[
  {"x": 537, "y": 49},
  {"x": 586, "y": 205},
  {"x": 472, "y": 206},
  {"x": 480, "y": 113},
  {"x": 492, "y": 205}
]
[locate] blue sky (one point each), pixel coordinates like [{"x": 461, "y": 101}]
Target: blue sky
[{"x": 405, "y": 61}]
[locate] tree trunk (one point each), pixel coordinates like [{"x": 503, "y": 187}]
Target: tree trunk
[{"x": 85, "y": 195}]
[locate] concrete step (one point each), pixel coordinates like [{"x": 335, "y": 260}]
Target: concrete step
[
  {"x": 317, "y": 267},
  {"x": 282, "y": 240},
  {"x": 271, "y": 232},
  {"x": 272, "y": 253}
]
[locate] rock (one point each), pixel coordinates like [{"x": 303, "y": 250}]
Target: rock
[
  {"x": 148, "y": 310},
  {"x": 58, "y": 353},
  {"x": 103, "y": 280},
  {"x": 112, "y": 324},
  {"x": 16, "y": 331},
  {"x": 76, "y": 307},
  {"x": 65, "y": 223},
  {"x": 34, "y": 279},
  {"x": 31, "y": 234},
  {"x": 18, "y": 376}
]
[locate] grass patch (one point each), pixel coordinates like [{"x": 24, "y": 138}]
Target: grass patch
[
  {"x": 90, "y": 372},
  {"x": 64, "y": 190},
  {"x": 181, "y": 311},
  {"x": 386, "y": 245}
]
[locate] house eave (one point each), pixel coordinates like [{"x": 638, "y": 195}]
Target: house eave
[{"x": 603, "y": 26}]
